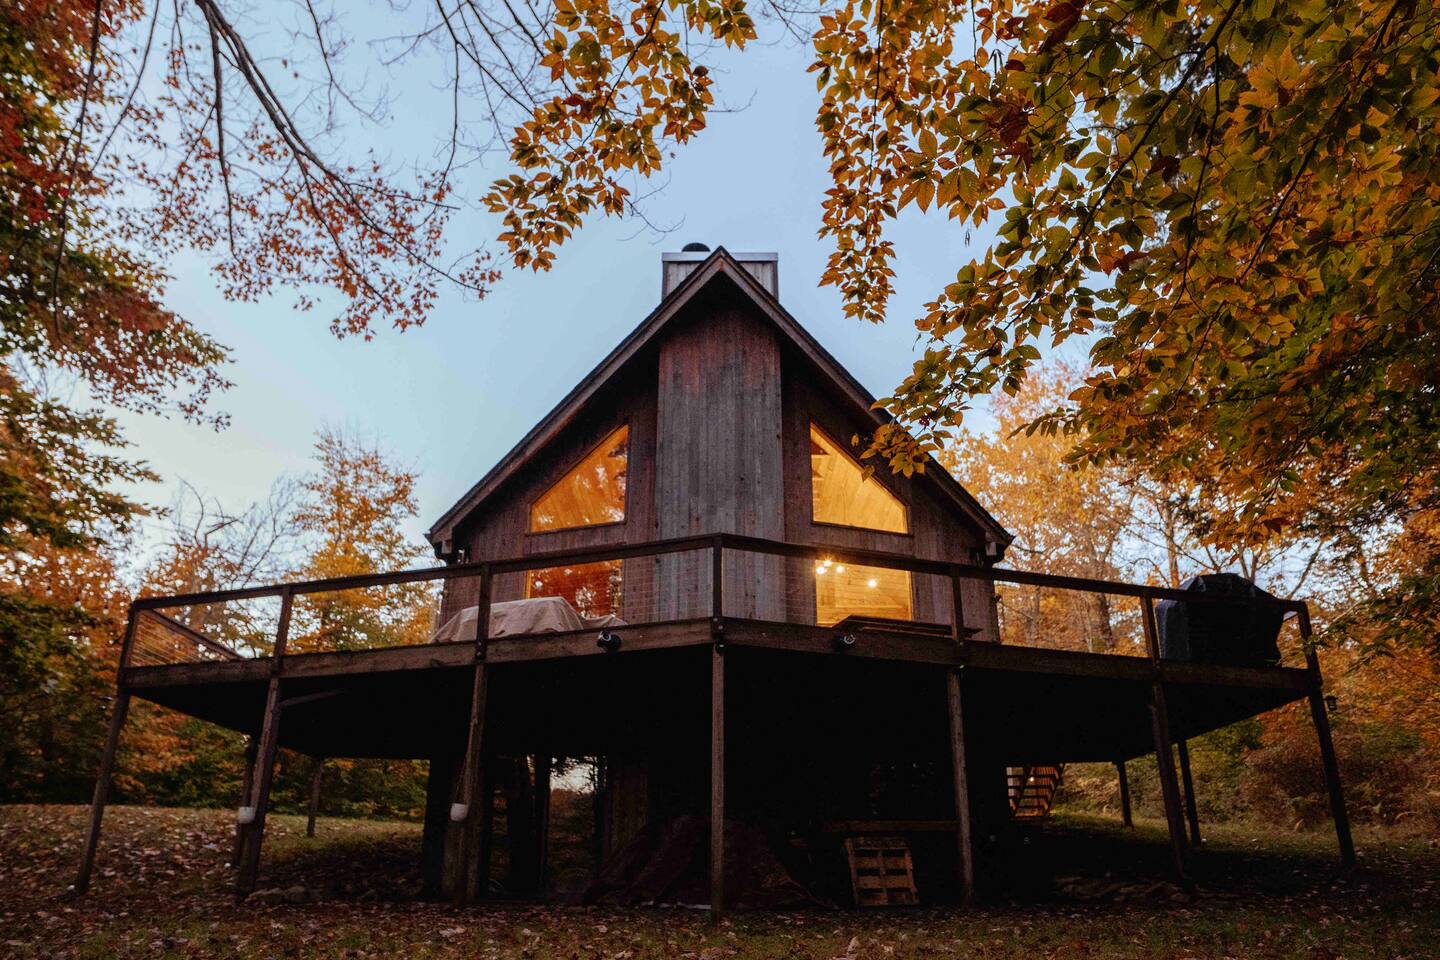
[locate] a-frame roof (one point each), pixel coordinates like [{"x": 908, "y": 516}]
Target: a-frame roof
[{"x": 718, "y": 264}]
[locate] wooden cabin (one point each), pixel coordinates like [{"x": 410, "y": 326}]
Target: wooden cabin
[{"x": 784, "y": 668}]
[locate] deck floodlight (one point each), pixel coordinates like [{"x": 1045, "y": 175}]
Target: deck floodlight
[
  {"x": 608, "y": 641},
  {"x": 842, "y": 641},
  {"x": 1332, "y": 703}
]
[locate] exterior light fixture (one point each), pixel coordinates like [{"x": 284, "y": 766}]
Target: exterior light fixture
[
  {"x": 872, "y": 583},
  {"x": 608, "y": 641},
  {"x": 842, "y": 641},
  {"x": 820, "y": 569}
]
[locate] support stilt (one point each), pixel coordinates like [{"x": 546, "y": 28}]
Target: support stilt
[
  {"x": 1328, "y": 760},
  {"x": 247, "y": 783},
  {"x": 119, "y": 709},
  {"x": 462, "y": 874},
  {"x": 1125, "y": 816},
  {"x": 542, "y": 820},
  {"x": 253, "y": 837},
  {"x": 1164, "y": 748},
  {"x": 316, "y": 776},
  {"x": 717, "y": 784},
  {"x": 960, "y": 773},
  {"x": 1192, "y": 812},
  {"x": 963, "y": 837},
  {"x": 474, "y": 792}
]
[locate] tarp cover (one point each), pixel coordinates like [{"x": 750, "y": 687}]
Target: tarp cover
[
  {"x": 1229, "y": 633},
  {"x": 517, "y": 618},
  {"x": 668, "y": 863}
]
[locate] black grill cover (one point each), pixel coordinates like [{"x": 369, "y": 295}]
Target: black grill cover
[{"x": 1229, "y": 633}]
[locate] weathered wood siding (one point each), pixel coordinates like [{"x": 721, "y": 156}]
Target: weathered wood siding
[
  {"x": 718, "y": 459},
  {"x": 500, "y": 530},
  {"x": 719, "y": 411}
]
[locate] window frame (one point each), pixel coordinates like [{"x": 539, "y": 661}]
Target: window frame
[
  {"x": 815, "y": 580},
  {"x": 589, "y": 451},
  {"x": 908, "y": 532}
]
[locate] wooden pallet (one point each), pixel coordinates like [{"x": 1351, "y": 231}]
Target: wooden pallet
[{"x": 881, "y": 871}]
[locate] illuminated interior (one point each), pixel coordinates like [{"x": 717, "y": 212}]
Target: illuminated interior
[
  {"x": 592, "y": 493},
  {"x": 842, "y": 494},
  {"x": 593, "y": 589},
  {"x": 843, "y": 590}
]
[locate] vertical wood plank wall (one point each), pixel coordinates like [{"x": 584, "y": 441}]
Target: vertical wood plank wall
[{"x": 718, "y": 458}]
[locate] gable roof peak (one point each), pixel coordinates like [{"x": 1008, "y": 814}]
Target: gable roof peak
[{"x": 696, "y": 277}]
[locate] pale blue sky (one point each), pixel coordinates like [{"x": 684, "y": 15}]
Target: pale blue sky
[{"x": 451, "y": 397}]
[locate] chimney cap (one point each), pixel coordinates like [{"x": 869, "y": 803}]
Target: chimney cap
[{"x": 695, "y": 248}]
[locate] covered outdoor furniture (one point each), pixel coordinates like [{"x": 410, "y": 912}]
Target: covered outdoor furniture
[
  {"x": 1222, "y": 633},
  {"x": 515, "y": 618}
]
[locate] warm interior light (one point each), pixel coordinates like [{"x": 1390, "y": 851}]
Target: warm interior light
[
  {"x": 841, "y": 492},
  {"x": 861, "y": 590}
]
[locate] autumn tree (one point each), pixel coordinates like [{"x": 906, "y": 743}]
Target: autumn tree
[
  {"x": 352, "y": 513},
  {"x": 1066, "y": 522},
  {"x": 1230, "y": 202}
]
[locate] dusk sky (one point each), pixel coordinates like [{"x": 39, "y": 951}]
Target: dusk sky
[{"x": 450, "y": 398}]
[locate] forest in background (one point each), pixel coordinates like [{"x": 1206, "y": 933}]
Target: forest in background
[{"x": 346, "y": 516}]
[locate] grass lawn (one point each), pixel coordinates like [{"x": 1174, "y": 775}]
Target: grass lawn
[{"x": 162, "y": 889}]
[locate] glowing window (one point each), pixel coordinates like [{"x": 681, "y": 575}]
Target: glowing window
[
  {"x": 843, "y": 590},
  {"x": 593, "y": 589},
  {"x": 842, "y": 494},
  {"x": 592, "y": 493}
]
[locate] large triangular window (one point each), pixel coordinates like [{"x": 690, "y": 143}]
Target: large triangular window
[
  {"x": 591, "y": 494},
  {"x": 843, "y": 495}
]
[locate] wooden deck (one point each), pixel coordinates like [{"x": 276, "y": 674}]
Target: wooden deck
[
  {"x": 791, "y": 701},
  {"x": 1045, "y": 705}
]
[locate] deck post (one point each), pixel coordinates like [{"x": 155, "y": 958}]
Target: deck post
[
  {"x": 1125, "y": 816},
  {"x": 1328, "y": 761},
  {"x": 963, "y": 834},
  {"x": 542, "y": 819},
  {"x": 717, "y": 732},
  {"x": 317, "y": 774},
  {"x": 118, "y": 710},
  {"x": 1192, "y": 812},
  {"x": 258, "y": 801},
  {"x": 1164, "y": 748},
  {"x": 467, "y": 882},
  {"x": 247, "y": 780},
  {"x": 960, "y": 774}
]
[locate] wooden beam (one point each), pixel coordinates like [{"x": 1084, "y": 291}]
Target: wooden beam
[
  {"x": 247, "y": 781},
  {"x": 717, "y": 783},
  {"x": 1164, "y": 756},
  {"x": 542, "y": 819},
  {"x": 964, "y": 839},
  {"x": 1125, "y": 816},
  {"x": 1328, "y": 761},
  {"x": 473, "y": 785},
  {"x": 119, "y": 708},
  {"x": 317, "y": 774},
  {"x": 1192, "y": 812},
  {"x": 259, "y": 800}
]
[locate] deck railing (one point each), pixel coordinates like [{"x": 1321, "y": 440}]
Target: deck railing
[{"x": 718, "y": 576}]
